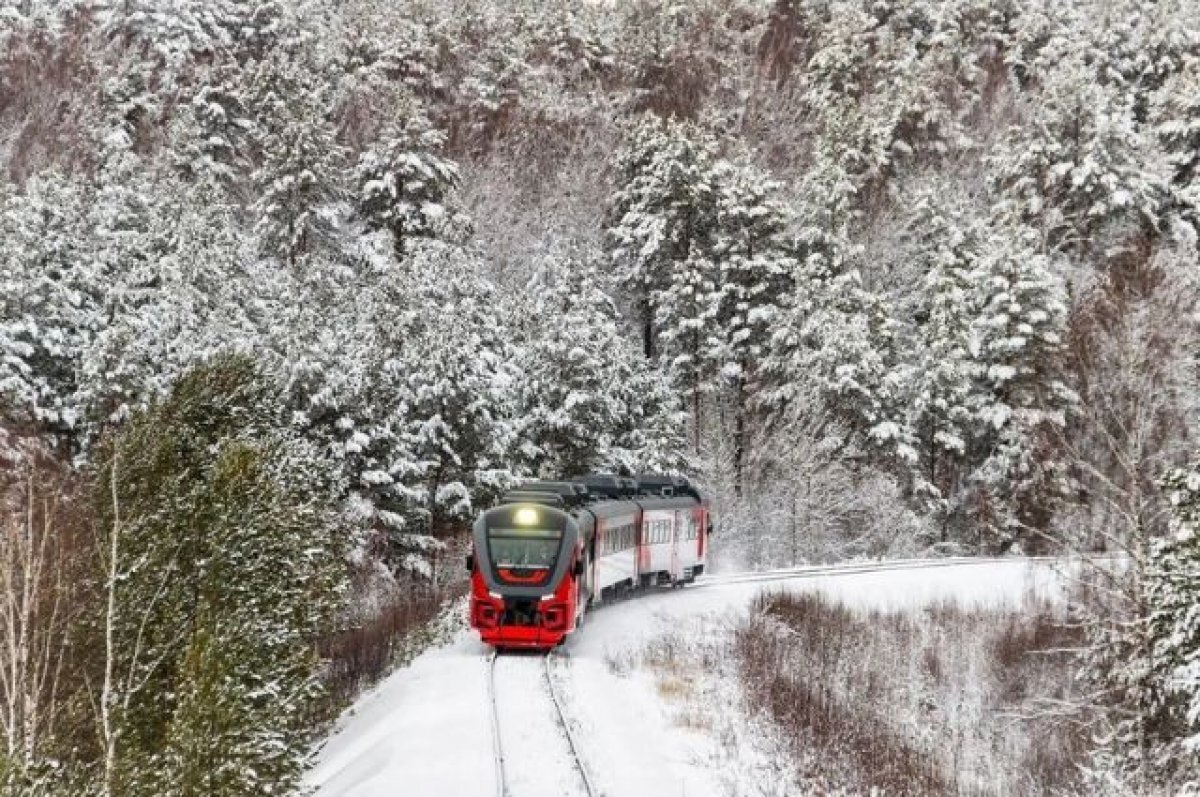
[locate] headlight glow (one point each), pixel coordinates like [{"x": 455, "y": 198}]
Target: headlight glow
[{"x": 526, "y": 516}]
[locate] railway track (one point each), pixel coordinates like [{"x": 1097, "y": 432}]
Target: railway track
[
  {"x": 708, "y": 582},
  {"x": 505, "y": 785}
]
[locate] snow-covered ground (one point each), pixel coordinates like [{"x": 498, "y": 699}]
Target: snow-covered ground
[{"x": 428, "y": 728}]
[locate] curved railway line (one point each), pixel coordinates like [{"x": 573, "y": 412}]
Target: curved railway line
[{"x": 503, "y": 786}]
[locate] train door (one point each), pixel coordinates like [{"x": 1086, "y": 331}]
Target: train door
[{"x": 591, "y": 564}]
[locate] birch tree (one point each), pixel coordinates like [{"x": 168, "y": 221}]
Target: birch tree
[{"x": 40, "y": 601}]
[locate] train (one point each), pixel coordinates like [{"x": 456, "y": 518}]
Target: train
[{"x": 551, "y": 550}]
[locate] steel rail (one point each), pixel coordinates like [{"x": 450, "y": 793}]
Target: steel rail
[
  {"x": 497, "y": 744},
  {"x": 588, "y": 786}
]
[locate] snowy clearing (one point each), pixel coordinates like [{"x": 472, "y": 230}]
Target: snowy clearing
[{"x": 427, "y": 729}]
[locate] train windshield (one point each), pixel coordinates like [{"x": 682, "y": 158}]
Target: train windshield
[{"x": 524, "y": 549}]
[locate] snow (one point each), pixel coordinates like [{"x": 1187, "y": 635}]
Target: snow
[
  {"x": 426, "y": 730},
  {"x": 423, "y": 731}
]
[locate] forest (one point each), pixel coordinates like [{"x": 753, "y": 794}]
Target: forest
[{"x": 289, "y": 291}]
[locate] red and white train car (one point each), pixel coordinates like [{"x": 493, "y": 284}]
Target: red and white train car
[{"x": 550, "y": 550}]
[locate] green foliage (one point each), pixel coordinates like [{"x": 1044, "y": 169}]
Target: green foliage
[
  {"x": 1173, "y": 588},
  {"x": 228, "y": 569}
]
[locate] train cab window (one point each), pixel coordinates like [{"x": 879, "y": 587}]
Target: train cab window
[{"x": 524, "y": 549}]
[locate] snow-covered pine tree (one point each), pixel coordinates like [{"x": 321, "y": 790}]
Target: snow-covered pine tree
[
  {"x": 567, "y": 405},
  {"x": 1078, "y": 173},
  {"x": 1171, "y": 586},
  {"x": 1173, "y": 589},
  {"x": 650, "y": 437},
  {"x": 1017, "y": 340},
  {"x": 685, "y": 317},
  {"x": 193, "y": 288},
  {"x": 51, "y": 305},
  {"x": 837, "y": 339},
  {"x": 944, "y": 378},
  {"x": 661, "y": 218},
  {"x": 586, "y": 400},
  {"x": 249, "y": 674},
  {"x": 1175, "y": 113},
  {"x": 298, "y": 176},
  {"x": 426, "y": 427},
  {"x": 404, "y": 185},
  {"x": 755, "y": 269}
]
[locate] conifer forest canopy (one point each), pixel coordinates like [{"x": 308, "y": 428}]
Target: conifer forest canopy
[{"x": 314, "y": 282}]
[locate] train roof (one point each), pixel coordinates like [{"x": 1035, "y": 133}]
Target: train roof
[{"x": 596, "y": 487}]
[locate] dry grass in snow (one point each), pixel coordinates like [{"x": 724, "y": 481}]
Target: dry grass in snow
[{"x": 944, "y": 700}]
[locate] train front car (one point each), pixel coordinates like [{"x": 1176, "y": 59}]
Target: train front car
[{"x": 523, "y": 592}]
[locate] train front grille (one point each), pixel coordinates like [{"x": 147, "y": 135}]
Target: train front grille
[{"x": 521, "y": 611}]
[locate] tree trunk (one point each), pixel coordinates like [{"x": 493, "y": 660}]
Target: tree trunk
[
  {"x": 739, "y": 434},
  {"x": 108, "y": 731},
  {"x": 647, "y": 328}
]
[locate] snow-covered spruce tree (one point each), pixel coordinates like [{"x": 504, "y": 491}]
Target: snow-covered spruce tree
[
  {"x": 1078, "y": 172},
  {"x": 650, "y": 437},
  {"x": 298, "y": 174},
  {"x": 404, "y": 185},
  {"x": 1173, "y": 589},
  {"x": 661, "y": 218},
  {"x": 426, "y": 427},
  {"x": 218, "y": 569},
  {"x": 140, "y": 275},
  {"x": 177, "y": 33},
  {"x": 586, "y": 400},
  {"x": 891, "y": 82},
  {"x": 840, "y": 337},
  {"x": 51, "y": 307},
  {"x": 176, "y": 289},
  {"x": 220, "y": 137},
  {"x": 754, "y": 274},
  {"x": 944, "y": 379},
  {"x": 685, "y": 318},
  {"x": 1175, "y": 112},
  {"x": 566, "y": 407},
  {"x": 1017, "y": 341},
  {"x": 201, "y": 290}
]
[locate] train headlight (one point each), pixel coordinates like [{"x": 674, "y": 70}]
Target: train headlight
[{"x": 526, "y": 516}]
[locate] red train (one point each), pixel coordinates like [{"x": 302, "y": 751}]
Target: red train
[{"x": 552, "y": 549}]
